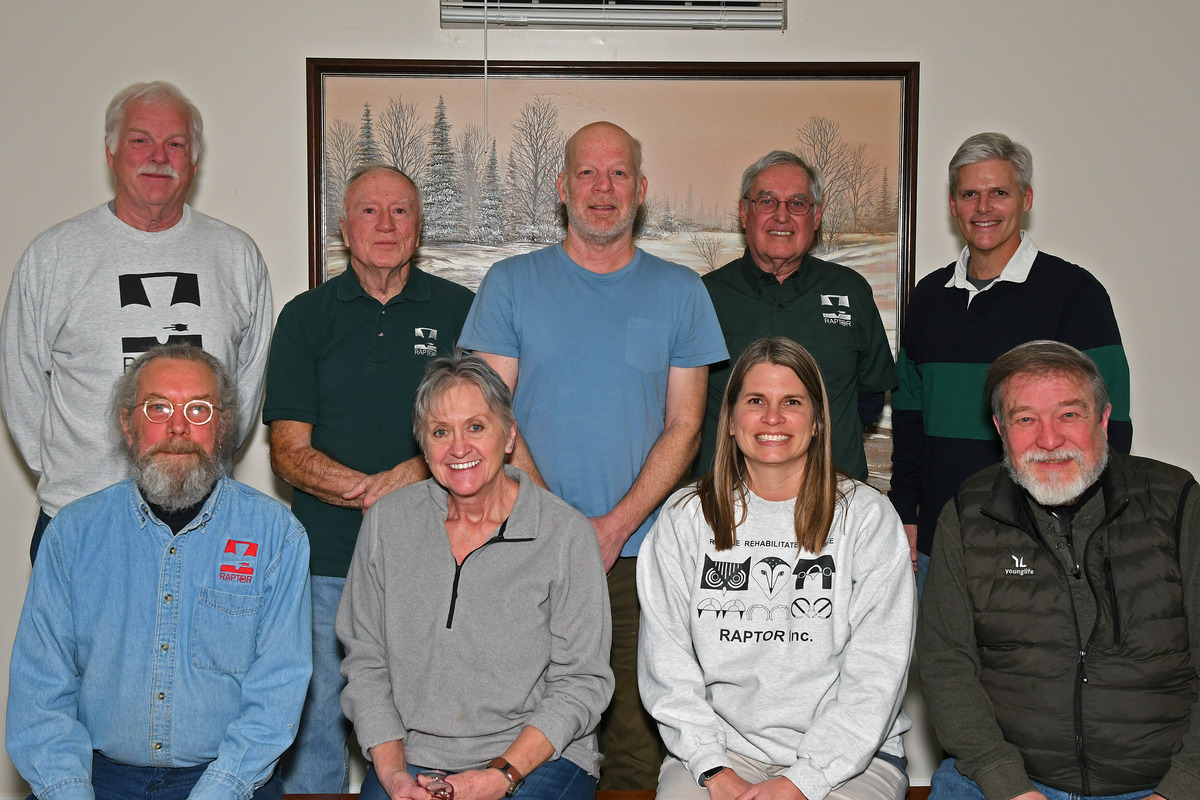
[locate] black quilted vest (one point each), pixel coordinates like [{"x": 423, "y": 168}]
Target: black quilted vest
[{"x": 1103, "y": 715}]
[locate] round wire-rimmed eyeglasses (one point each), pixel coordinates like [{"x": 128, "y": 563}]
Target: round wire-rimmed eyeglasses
[{"x": 196, "y": 412}]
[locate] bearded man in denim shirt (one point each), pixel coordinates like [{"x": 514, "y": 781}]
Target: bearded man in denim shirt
[{"x": 164, "y": 647}]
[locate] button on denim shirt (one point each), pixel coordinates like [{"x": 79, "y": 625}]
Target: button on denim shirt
[{"x": 162, "y": 650}]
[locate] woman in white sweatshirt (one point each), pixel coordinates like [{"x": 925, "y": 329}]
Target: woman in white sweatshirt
[{"x": 777, "y": 608}]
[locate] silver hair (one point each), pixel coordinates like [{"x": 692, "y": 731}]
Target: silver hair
[
  {"x": 368, "y": 169},
  {"x": 781, "y": 158},
  {"x": 778, "y": 158},
  {"x": 457, "y": 368},
  {"x": 1040, "y": 358},
  {"x": 147, "y": 93},
  {"x": 989, "y": 146},
  {"x": 124, "y": 394}
]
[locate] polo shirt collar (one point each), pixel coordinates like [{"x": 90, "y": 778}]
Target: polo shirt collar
[
  {"x": 415, "y": 289},
  {"x": 758, "y": 279},
  {"x": 1015, "y": 271}
]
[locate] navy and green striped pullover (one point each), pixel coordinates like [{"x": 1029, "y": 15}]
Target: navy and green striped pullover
[{"x": 942, "y": 423}]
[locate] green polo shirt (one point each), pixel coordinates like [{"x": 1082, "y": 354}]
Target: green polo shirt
[
  {"x": 349, "y": 366},
  {"x": 831, "y": 311}
]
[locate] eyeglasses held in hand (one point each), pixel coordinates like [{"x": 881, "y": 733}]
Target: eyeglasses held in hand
[{"x": 196, "y": 412}]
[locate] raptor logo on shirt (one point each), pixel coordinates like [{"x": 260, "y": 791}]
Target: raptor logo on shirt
[
  {"x": 151, "y": 289},
  {"x": 238, "y": 560},
  {"x": 426, "y": 342},
  {"x": 835, "y": 308}
]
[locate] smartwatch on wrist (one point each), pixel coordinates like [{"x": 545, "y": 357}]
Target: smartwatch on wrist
[
  {"x": 511, "y": 773},
  {"x": 709, "y": 774}
]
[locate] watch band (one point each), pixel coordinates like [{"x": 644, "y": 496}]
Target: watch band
[
  {"x": 514, "y": 776},
  {"x": 709, "y": 774}
]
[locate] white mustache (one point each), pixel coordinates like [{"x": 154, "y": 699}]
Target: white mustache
[
  {"x": 1057, "y": 454},
  {"x": 158, "y": 169}
]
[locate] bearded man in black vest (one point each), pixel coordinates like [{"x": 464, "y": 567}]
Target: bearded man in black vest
[{"x": 1059, "y": 631}]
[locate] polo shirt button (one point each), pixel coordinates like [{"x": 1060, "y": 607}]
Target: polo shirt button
[
  {"x": 780, "y": 305},
  {"x": 381, "y": 334}
]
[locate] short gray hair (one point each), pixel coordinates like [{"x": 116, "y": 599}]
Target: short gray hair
[
  {"x": 460, "y": 367},
  {"x": 988, "y": 146},
  {"x": 779, "y": 158},
  {"x": 147, "y": 93},
  {"x": 124, "y": 394},
  {"x": 369, "y": 169},
  {"x": 782, "y": 158},
  {"x": 1041, "y": 358}
]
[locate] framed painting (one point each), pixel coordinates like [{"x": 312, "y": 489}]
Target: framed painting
[{"x": 484, "y": 143}]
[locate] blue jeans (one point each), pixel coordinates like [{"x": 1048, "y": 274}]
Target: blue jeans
[
  {"x": 555, "y": 780},
  {"x": 319, "y": 760},
  {"x": 113, "y": 781},
  {"x": 950, "y": 784},
  {"x": 922, "y": 571}
]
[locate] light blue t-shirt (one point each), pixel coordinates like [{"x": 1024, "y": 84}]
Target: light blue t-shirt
[{"x": 594, "y": 355}]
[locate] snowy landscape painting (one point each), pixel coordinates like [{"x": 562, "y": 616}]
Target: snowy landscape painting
[{"x": 485, "y": 155}]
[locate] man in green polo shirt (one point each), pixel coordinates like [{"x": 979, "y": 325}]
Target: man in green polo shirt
[
  {"x": 345, "y": 362},
  {"x": 777, "y": 289}
]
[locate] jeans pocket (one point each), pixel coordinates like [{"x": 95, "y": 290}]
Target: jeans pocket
[{"x": 224, "y": 630}]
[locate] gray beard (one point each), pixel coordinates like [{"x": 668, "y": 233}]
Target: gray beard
[
  {"x": 172, "y": 486},
  {"x": 1051, "y": 494}
]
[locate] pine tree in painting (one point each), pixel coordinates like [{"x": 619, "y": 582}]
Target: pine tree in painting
[
  {"x": 491, "y": 215},
  {"x": 367, "y": 151},
  {"x": 442, "y": 203}
]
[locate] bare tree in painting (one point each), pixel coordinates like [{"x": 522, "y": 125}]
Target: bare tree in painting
[
  {"x": 860, "y": 174},
  {"x": 441, "y": 204},
  {"x": 708, "y": 249},
  {"x": 533, "y": 165},
  {"x": 367, "y": 149},
  {"x": 340, "y": 160},
  {"x": 472, "y": 149},
  {"x": 490, "y": 229},
  {"x": 402, "y": 136}
]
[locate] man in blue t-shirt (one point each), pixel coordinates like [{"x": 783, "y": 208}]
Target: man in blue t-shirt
[{"x": 612, "y": 347}]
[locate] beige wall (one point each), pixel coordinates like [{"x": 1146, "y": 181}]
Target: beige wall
[{"x": 1103, "y": 92}]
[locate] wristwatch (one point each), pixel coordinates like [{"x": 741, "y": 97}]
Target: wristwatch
[
  {"x": 515, "y": 778},
  {"x": 709, "y": 774}
]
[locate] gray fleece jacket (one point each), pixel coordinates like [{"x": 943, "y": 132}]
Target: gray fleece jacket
[{"x": 457, "y": 659}]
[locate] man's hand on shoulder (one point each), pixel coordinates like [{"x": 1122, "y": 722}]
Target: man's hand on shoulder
[{"x": 373, "y": 487}]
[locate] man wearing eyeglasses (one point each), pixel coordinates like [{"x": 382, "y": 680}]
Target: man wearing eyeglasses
[
  {"x": 1001, "y": 292},
  {"x": 778, "y": 288},
  {"x": 165, "y": 637}
]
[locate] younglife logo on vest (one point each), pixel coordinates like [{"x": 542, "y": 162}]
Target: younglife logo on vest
[{"x": 1018, "y": 567}]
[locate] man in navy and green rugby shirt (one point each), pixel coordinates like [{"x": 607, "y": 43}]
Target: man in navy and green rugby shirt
[{"x": 1000, "y": 293}]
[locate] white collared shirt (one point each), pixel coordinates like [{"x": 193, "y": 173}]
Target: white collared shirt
[{"x": 1016, "y": 270}]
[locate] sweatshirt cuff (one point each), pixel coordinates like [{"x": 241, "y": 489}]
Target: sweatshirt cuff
[
  {"x": 808, "y": 779},
  {"x": 706, "y": 758}
]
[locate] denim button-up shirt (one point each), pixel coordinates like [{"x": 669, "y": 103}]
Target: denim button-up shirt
[{"x": 162, "y": 650}]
